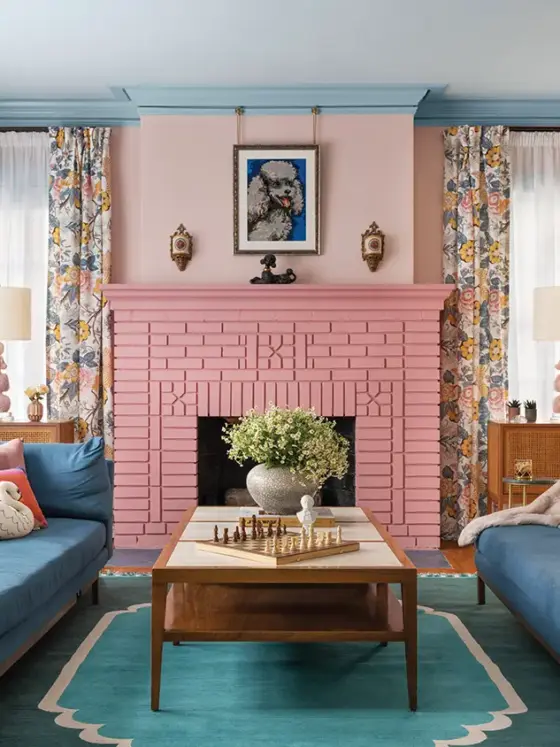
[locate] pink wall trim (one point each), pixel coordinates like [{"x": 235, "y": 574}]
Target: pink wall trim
[{"x": 369, "y": 352}]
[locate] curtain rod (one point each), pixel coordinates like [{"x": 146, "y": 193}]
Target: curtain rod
[
  {"x": 535, "y": 129},
  {"x": 24, "y": 129}
]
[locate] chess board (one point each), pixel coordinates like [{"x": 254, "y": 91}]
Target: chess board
[{"x": 254, "y": 549}]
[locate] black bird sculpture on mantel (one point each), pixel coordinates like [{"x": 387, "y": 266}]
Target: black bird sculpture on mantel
[{"x": 267, "y": 277}]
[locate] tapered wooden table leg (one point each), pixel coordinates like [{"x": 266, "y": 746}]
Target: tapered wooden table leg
[
  {"x": 410, "y": 619},
  {"x": 159, "y": 594}
]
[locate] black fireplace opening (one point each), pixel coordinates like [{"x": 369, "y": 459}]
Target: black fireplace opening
[{"x": 219, "y": 478}]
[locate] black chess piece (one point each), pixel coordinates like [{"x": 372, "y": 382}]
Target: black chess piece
[
  {"x": 216, "y": 535},
  {"x": 270, "y": 530},
  {"x": 226, "y": 536},
  {"x": 243, "y": 532},
  {"x": 284, "y": 529}
]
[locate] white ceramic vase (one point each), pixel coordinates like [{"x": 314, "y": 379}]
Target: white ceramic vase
[{"x": 276, "y": 490}]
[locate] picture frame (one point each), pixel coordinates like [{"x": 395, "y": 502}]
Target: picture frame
[
  {"x": 523, "y": 469},
  {"x": 276, "y": 199}
]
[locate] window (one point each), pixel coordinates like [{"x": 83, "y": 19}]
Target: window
[
  {"x": 24, "y": 220},
  {"x": 534, "y": 261}
]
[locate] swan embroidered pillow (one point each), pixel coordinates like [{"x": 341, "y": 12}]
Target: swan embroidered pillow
[
  {"x": 19, "y": 478},
  {"x": 16, "y": 520}
]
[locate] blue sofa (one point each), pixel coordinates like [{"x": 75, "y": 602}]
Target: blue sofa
[
  {"x": 42, "y": 574},
  {"x": 522, "y": 567}
]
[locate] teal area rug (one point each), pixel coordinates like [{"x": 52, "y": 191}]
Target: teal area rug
[{"x": 481, "y": 677}]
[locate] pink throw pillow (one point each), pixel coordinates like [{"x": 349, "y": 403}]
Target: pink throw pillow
[{"x": 11, "y": 455}]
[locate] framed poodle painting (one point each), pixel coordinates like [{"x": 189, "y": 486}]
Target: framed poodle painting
[{"x": 276, "y": 199}]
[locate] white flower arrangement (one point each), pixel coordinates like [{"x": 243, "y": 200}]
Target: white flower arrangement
[{"x": 299, "y": 439}]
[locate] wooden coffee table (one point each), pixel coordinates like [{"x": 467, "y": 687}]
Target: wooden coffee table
[{"x": 201, "y": 596}]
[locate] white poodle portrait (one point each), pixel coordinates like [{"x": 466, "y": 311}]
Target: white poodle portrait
[{"x": 274, "y": 196}]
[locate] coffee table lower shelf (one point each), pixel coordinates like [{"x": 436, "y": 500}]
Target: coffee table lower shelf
[{"x": 295, "y": 613}]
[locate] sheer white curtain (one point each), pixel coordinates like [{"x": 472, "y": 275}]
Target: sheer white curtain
[
  {"x": 535, "y": 261},
  {"x": 24, "y": 226}
]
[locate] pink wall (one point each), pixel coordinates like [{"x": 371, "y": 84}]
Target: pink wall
[
  {"x": 175, "y": 169},
  {"x": 428, "y": 190}
]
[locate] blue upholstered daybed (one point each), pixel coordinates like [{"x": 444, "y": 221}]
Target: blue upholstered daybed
[
  {"x": 522, "y": 567},
  {"x": 41, "y": 574}
]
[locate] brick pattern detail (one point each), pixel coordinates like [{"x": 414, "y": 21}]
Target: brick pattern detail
[{"x": 375, "y": 360}]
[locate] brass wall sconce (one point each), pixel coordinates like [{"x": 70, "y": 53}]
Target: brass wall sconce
[
  {"x": 373, "y": 246},
  {"x": 181, "y": 247}
]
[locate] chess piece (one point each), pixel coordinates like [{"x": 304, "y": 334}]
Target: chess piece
[
  {"x": 339, "y": 535},
  {"x": 285, "y": 529},
  {"x": 328, "y": 539},
  {"x": 236, "y": 536},
  {"x": 307, "y": 516},
  {"x": 216, "y": 535},
  {"x": 267, "y": 546},
  {"x": 276, "y": 546},
  {"x": 270, "y": 530},
  {"x": 279, "y": 527},
  {"x": 243, "y": 531},
  {"x": 311, "y": 540},
  {"x": 226, "y": 536},
  {"x": 291, "y": 544},
  {"x": 302, "y": 541},
  {"x": 285, "y": 544}
]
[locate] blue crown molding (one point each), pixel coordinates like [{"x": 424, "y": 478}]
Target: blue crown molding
[
  {"x": 436, "y": 110},
  {"x": 53, "y": 113},
  {"x": 127, "y": 105},
  {"x": 276, "y": 100},
  {"x": 428, "y": 104}
]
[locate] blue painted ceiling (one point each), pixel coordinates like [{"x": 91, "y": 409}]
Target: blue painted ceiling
[{"x": 93, "y": 52}]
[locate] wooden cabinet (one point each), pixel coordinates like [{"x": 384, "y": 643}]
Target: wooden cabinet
[
  {"x": 510, "y": 441},
  {"x": 49, "y": 432}
]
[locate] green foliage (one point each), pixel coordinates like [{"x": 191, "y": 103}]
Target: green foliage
[
  {"x": 514, "y": 403},
  {"x": 299, "y": 439}
]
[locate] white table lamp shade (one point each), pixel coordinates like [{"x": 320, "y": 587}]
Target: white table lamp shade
[
  {"x": 546, "y": 314},
  {"x": 15, "y": 313}
]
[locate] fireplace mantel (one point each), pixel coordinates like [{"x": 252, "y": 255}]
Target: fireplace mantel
[
  {"x": 189, "y": 351},
  {"x": 423, "y": 297}
]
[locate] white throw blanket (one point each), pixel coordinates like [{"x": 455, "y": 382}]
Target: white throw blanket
[{"x": 543, "y": 510}]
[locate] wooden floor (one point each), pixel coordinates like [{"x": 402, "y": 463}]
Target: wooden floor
[{"x": 461, "y": 560}]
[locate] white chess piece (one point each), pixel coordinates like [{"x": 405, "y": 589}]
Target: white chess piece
[
  {"x": 324, "y": 539},
  {"x": 311, "y": 544},
  {"x": 307, "y": 516},
  {"x": 302, "y": 540},
  {"x": 339, "y": 535},
  {"x": 285, "y": 544},
  {"x": 328, "y": 539},
  {"x": 267, "y": 546}
]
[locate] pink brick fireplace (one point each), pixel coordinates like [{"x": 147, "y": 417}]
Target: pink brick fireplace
[{"x": 184, "y": 352}]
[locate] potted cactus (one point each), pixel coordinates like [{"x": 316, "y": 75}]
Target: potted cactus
[
  {"x": 530, "y": 410},
  {"x": 514, "y": 409}
]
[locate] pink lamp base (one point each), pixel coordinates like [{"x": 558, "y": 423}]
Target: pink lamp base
[{"x": 4, "y": 387}]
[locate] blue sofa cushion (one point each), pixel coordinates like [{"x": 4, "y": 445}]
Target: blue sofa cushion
[
  {"x": 524, "y": 564},
  {"x": 70, "y": 480},
  {"x": 34, "y": 568}
]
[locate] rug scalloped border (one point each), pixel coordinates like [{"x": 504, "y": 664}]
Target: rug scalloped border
[{"x": 476, "y": 732}]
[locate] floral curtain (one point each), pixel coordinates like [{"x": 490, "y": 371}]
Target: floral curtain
[
  {"x": 79, "y": 349},
  {"x": 475, "y": 321}
]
